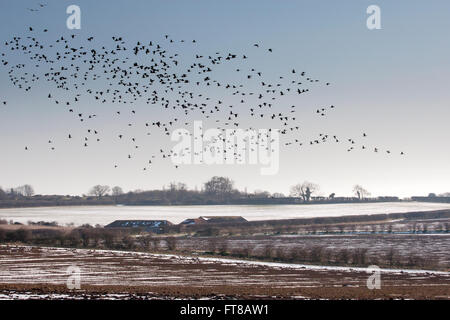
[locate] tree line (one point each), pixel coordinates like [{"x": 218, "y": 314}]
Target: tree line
[{"x": 217, "y": 190}]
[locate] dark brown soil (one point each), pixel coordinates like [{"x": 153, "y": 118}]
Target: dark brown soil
[{"x": 42, "y": 271}]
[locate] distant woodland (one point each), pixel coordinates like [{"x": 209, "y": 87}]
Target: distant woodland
[{"x": 216, "y": 191}]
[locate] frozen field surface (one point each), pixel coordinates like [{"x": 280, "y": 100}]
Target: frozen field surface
[
  {"x": 117, "y": 274},
  {"x": 106, "y": 214}
]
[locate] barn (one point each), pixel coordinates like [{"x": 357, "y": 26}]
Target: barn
[
  {"x": 213, "y": 219},
  {"x": 155, "y": 226}
]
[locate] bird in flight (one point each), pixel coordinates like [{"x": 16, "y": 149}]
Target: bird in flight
[{"x": 141, "y": 79}]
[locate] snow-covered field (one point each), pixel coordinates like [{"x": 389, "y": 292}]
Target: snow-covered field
[{"x": 106, "y": 214}]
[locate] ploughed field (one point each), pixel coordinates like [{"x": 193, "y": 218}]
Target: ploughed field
[
  {"x": 428, "y": 251},
  {"x": 41, "y": 273}
]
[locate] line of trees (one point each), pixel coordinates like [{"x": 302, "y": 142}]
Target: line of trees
[
  {"x": 100, "y": 238},
  {"x": 307, "y": 190},
  {"x": 304, "y": 190},
  {"x": 222, "y": 188},
  {"x": 360, "y": 192},
  {"x": 217, "y": 190},
  {"x": 21, "y": 191}
]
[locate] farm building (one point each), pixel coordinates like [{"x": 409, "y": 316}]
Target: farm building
[
  {"x": 156, "y": 226},
  {"x": 213, "y": 219}
]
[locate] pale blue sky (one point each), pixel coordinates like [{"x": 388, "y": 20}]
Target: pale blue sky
[{"x": 390, "y": 83}]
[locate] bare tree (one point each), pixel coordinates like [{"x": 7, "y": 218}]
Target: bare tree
[
  {"x": 261, "y": 194},
  {"x": 2, "y": 194},
  {"x": 25, "y": 190},
  {"x": 391, "y": 256},
  {"x": 180, "y": 186},
  {"x": 173, "y": 186},
  {"x": 360, "y": 192},
  {"x": 171, "y": 243},
  {"x": 219, "y": 186},
  {"x": 278, "y": 195},
  {"x": 28, "y": 190},
  {"x": 117, "y": 191},
  {"x": 99, "y": 191},
  {"x": 304, "y": 190}
]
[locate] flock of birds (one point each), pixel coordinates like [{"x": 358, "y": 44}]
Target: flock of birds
[
  {"x": 128, "y": 77},
  {"x": 41, "y": 5}
]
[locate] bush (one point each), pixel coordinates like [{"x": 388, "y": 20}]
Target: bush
[
  {"x": 327, "y": 255},
  {"x": 22, "y": 235},
  {"x": 128, "y": 242},
  {"x": 267, "y": 251},
  {"x": 109, "y": 240},
  {"x": 316, "y": 254},
  {"x": 145, "y": 241},
  {"x": 391, "y": 257},
  {"x": 343, "y": 256},
  {"x": 359, "y": 256},
  {"x": 299, "y": 254},
  {"x": 212, "y": 245},
  {"x": 74, "y": 238},
  {"x": 280, "y": 253},
  {"x": 415, "y": 261},
  {"x": 171, "y": 243},
  {"x": 208, "y": 232},
  {"x": 223, "y": 248}
]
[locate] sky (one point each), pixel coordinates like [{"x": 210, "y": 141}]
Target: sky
[{"x": 391, "y": 84}]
